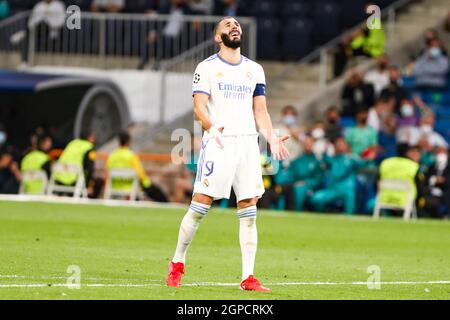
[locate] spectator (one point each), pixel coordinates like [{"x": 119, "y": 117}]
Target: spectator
[
  {"x": 289, "y": 119},
  {"x": 333, "y": 127},
  {"x": 232, "y": 8},
  {"x": 305, "y": 173},
  {"x": 37, "y": 159},
  {"x": 124, "y": 158},
  {"x": 169, "y": 36},
  {"x": 341, "y": 56},
  {"x": 47, "y": 18},
  {"x": 321, "y": 144},
  {"x": 429, "y": 36},
  {"x": 387, "y": 141},
  {"x": 340, "y": 179},
  {"x": 395, "y": 87},
  {"x": 383, "y": 106},
  {"x": 111, "y": 6},
  {"x": 204, "y": 7},
  {"x": 10, "y": 175},
  {"x": 403, "y": 167},
  {"x": 361, "y": 137},
  {"x": 4, "y": 9},
  {"x": 426, "y": 131},
  {"x": 379, "y": 77},
  {"x": 436, "y": 194},
  {"x": 356, "y": 94},
  {"x": 80, "y": 152},
  {"x": 369, "y": 42},
  {"x": 431, "y": 68},
  {"x": 409, "y": 118}
]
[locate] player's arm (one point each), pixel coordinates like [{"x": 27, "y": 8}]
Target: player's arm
[
  {"x": 201, "y": 115},
  {"x": 200, "y": 111},
  {"x": 264, "y": 124}
]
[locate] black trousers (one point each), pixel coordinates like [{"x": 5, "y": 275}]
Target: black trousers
[{"x": 155, "y": 193}]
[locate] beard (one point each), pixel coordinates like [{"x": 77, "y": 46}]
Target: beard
[{"x": 233, "y": 44}]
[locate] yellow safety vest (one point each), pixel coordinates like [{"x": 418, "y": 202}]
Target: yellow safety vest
[
  {"x": 124, "y": 158},
  {"x": 399, "y": 169},
  {"x": 73, "y": 154},
  {"x": 34, "y": 160}
]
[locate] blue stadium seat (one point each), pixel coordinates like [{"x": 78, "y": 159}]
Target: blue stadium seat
[
  {"x": 295, "y": 9},
  {"x": 20, "y": 5},
  {"x": 353, "y": 12},
  {"x": 264, "y": 8},
  {"x": 268, "y": 38},
  {"x": 326, "y": 19},
  {"x": 348, "y": 122},
  {"x": 83, "y": 4},
  {"x": 297, "y": 38}
]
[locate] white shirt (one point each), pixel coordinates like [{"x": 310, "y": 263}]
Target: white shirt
[
  {"x": 373, "y": 120},
  {"x": 173, "y": 26},
  {"x": 230, "y": 88},
  {"x": 434, "y": 138},
  {"x": 379, "y": 80},
  {"x": 53, "y": 13},
  {"x": 104, "y": 3}
]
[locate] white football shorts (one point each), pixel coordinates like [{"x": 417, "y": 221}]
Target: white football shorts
[{"x": 237, "y": 165}]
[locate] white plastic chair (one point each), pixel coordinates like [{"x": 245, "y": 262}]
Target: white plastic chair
[
  {"x": 122, "y": 174},
  {"x": 409, "y": 208},
  {"x": 78, "y": 190},
  {"x": 33, "y": 175}
]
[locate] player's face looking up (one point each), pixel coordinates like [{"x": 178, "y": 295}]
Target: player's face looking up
[{"x": 229, "y": 33}]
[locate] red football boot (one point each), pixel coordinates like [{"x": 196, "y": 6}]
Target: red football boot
[
  {"x": 176, "y": 271},
  {"x": 252, "y": 284}
]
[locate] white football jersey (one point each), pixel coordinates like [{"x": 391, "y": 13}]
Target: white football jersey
[{"x": 231, "y": 88}]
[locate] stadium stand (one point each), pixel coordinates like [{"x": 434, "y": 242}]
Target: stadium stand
[
  {"x": 290, "y": 30},
  {"x": 337, "y": 15}
]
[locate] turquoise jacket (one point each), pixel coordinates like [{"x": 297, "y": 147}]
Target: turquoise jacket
[
  {"x": 306, "y": 168},
  {"x": 341, "y": 170}
]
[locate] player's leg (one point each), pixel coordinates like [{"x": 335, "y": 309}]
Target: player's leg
[
  {"x": 322, "y": 198},
  {"x": 248, "y": 239},
  {"x": 248, "y": 186},
  {"x": 213, "y": 181},
  {"x": 198, "y": 209}
]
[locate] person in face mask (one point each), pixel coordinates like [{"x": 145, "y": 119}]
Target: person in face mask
[
  {"x": 435, "y": 202},
  {"x": 431, "y": 69},
  {"x": 361, "y": 137},
  {"x": 395, "y": 87},
  {"x": 426, "y": 131},
  {"x": 333, "y": 127},
  {"x": 321, "y": 144},
  {"x": 290, "y": 127}
]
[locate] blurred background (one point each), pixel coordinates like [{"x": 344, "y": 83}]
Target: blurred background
[{"x": 91, "y": 92}]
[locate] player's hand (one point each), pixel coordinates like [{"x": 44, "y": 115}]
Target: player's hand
[
  {"x": 278, "y": 149},
  {"x": 216, "y": 133}
]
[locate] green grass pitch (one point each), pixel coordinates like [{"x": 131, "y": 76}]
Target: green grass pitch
[{"x": 123, "y": 253}]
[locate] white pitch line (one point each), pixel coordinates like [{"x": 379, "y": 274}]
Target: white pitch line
[
  {"x": 222, "y": 284},
  {"x": 14, "y": 276}
]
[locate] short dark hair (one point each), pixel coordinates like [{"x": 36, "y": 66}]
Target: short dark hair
[
  {"x": 216, "y": 26},
  {"x": 402, "y": 149},
  {"x": 124, "y": 138},
  {"x": 86, "y": 133}
]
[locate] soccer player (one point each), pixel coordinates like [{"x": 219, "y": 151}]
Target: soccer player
[{"x": 229, "y": 101}]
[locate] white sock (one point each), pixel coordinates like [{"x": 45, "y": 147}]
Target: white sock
[
  {"x": 189, "y": 225},
  {"x": 248, "y": 238}
]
